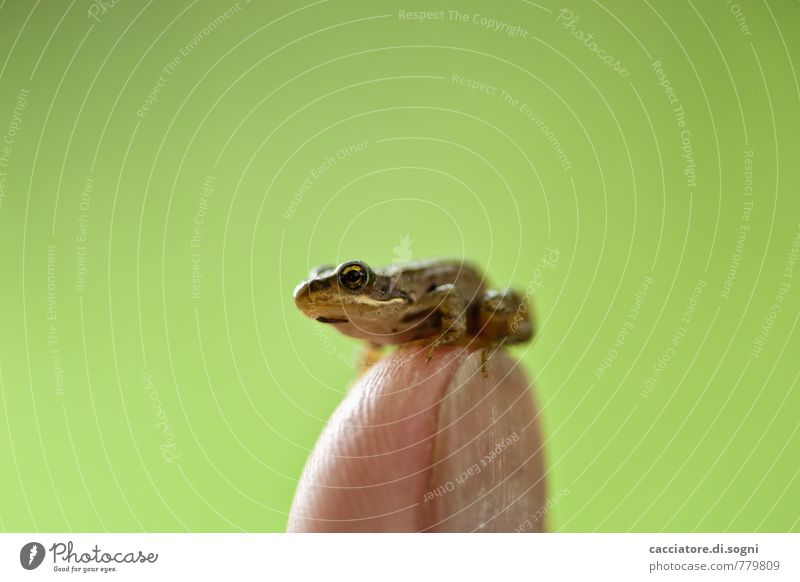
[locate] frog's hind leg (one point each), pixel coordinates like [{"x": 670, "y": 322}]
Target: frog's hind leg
[
  {"x": 487, "y": 350},
  {"x": 500, "y": 317},
  {"x": 503, "y": 315}
]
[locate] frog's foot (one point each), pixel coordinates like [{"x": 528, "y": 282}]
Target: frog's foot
[
  {"x": 503, "y": 315},
  {"x": 370, "y": 354},
  {"x": 432, "y": 348},
  {"x": 487, "y": 352},
  {"x": 453, "y": 310}
]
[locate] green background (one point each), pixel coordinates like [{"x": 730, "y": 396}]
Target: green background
[{"x": 146, "y": 398}]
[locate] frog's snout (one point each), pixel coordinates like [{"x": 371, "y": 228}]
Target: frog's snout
[
  {"x": 301, "y": 295},
  {"x": 307, "y": 295},
  {"x": 305, "y": 289}
]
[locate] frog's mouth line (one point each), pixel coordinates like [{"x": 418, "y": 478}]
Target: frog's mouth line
[{"x": 332, "y": 320}]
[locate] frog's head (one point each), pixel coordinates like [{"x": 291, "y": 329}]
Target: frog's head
[{"x": 347, "y": 293}]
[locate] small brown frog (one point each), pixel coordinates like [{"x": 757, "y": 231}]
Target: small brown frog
[{"x": 438, "y": 302}]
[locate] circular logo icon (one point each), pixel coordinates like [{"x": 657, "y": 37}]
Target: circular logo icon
[{"x": 31, "y": 555}]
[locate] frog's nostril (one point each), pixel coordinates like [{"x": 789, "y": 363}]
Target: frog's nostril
[{"x": 318, "y": 285}]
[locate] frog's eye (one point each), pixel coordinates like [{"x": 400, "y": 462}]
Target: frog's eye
[{"x": 353, "y": 276}]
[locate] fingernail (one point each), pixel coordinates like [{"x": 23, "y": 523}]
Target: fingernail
[{"x": 488, "y": 470}]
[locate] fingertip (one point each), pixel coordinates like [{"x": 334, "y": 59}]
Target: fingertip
[
  {"x": 369, "y": 468},
  {"x": 410, "y": 426}
]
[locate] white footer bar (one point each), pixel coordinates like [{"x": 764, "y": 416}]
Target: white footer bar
[{"x": 401, "y": 557}]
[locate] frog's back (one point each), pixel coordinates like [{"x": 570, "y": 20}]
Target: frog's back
[{"x": 421, "y": 277}]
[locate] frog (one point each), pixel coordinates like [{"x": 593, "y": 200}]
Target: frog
[{"x": 438, "y": 302}]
